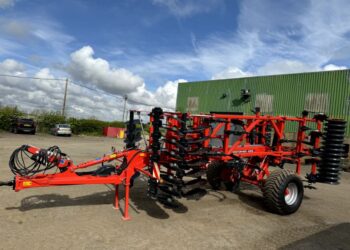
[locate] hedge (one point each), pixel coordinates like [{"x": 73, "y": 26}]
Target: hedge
[
  {"x": 6, "y": 114},
  {"x": 46, "y": 120}
]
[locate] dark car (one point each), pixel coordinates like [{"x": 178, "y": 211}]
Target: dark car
[{"x": 23, "y": 125}]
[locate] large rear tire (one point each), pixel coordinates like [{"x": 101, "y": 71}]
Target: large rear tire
[{"x": 283, "y": 192}]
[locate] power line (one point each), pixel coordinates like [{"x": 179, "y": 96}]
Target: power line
[
  {"x": 114, "y": 95},
  {"x": 55, "y": 79},
  {"x": 82, "y": 86},
  {"x": 63, "y": 80},
  {"x": 95, "y": 90},
  {"x": 33, "y": 77},
  {"x": 86, "y": 87},
  {"x": 60, "y": 79}
]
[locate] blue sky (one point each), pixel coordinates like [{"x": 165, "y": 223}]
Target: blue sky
[
  {"x": 119, "y": 31},
  {"x": 143, "y": 48}
]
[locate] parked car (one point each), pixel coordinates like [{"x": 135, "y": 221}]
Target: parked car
[
  {"x": 23, "y": 125},
  {"x": 61, "y": 129}
]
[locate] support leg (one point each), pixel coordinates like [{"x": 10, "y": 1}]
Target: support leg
[
  {"x": 126, "y": 209},
  {"x": 116, "y": 197},
  {"x": 314, "y": 168},
  {"x": 298, "y": 166}
]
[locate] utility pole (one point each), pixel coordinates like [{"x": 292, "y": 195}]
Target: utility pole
[
  {"x": 125, "y": 99},
  {"x": 65, "y": 98}
]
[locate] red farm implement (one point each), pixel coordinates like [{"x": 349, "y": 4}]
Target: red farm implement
[{"x": 230, "y": 148}]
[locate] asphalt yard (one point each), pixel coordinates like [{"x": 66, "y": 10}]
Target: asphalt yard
[{"x": 82, "y": 217}]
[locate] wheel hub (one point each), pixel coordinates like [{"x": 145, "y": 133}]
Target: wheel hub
[{"x": 291, "y": 194}]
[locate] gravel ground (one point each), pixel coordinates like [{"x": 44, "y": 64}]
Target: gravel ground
[{"x": 82, "y": 217}]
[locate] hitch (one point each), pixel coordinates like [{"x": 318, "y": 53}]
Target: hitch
[{"x": 7, "y": 183}]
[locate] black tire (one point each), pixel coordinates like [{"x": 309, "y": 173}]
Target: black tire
[
  {"x": 213, "y": 174},
  {"x": 274, "y": 191},
  {"x": 232, "y": 186}
]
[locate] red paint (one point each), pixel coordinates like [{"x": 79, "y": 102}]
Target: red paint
[
  {"x": 112, "y": 131},
  {"x": 250, "y": 158}
]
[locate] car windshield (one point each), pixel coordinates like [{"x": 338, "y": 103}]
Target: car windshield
[
  {"x": 63, "y": 126},
  {"x": 24, "y": 120}
]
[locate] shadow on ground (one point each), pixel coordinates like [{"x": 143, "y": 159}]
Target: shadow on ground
[
  {"x": 336, "y": 237},
  {"x": 152, "y": 207},
  {"x": 139, "y": 201},
  {"x": 59, "y": 200}
]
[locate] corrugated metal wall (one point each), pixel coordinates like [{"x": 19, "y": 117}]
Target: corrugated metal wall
[{"x": 327, "y": 91}]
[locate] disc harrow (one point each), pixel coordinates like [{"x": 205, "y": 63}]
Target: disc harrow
[{"x": 186, "y": 150}]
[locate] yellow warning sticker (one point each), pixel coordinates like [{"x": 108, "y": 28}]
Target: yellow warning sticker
[
  {"x": 27, "y": 183},
  {"x": 112, "y": 156}
]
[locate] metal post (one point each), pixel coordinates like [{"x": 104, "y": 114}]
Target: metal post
[{"x": 65, "y": 98}]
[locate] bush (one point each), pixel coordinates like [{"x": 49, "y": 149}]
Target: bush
[
  {"x": 47, "y": 120},
  {"x": 6, "y": 114},
  {"x": 91, "y": 126}
]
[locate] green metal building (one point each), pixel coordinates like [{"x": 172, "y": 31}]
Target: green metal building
[{"x": 290, "y": 94}]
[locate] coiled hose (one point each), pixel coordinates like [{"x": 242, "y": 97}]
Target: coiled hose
[{"x": 25, "y": 164}]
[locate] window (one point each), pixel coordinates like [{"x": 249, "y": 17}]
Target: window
[
  {"x": 264, "y": 102},
  {"x": 316, "y": 102},
  {"x": 192, "y": 104}
]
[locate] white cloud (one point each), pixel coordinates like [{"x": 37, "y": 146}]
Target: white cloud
[
  {"x": 185, "y": 8},
  {"x": 275, "y": 68},
  {"x": 97, "y": 71},
  {"x": 211, "y": 57},
  {"x": 9, "y": 47},
  {"x": 15, "y": 28},
  {"x": 333, "y": 67},
  {"x": 6, "y": 3},
  {"x": 285, "y": 67},
  {"x": 40, "y": 37},
  {"x": 300, "y": 37},
  {"x": 231, "y": 72},
  {"x": 10, "y": 66},
  {"x": 167, "y": 94},
  {"x": 33, "y": 94},
  {"x": 83, "y": 67},
  {"x": 51, "y": 33},
  {"x": 272, "y": 38},
  {"x": 164, "y": 96}
]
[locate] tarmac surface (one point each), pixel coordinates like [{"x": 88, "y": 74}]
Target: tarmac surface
[{"x": 82, "y": 217}]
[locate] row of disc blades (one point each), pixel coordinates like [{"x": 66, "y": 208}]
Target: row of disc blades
[
  {"x": 332, "y": 151},
  {"x": 182, "y": 174}
]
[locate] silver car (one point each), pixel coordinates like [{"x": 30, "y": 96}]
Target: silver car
[{"x": 61, "y": 129}]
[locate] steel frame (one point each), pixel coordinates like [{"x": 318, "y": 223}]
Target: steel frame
[
  {"x": 258, "y": 153},
  {"x": 136, "y": 161},
  {"x": 264, "y": 155}
]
